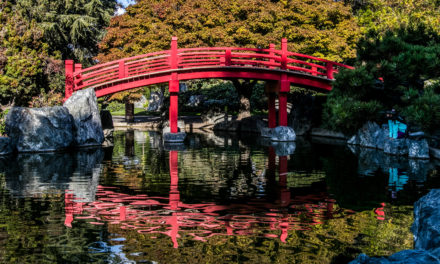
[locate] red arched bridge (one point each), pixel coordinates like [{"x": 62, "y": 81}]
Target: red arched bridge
[{"x": 280, "y": 68}]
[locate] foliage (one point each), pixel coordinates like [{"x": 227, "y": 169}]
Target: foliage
[
  {"x": 115, "y": 106},
  {"x": 391, "y": 71},
  {"x": 321, "y": 28},
  {"x": 50, "y": 98},
  {"x": 71, "y": 28},
  {"x": 25, "y": 63},
  {"x": 2, "y": 121},
  {"x": 36, "y": 35},
  {"x": 381, "y": 16},
  {"x": 424, "y": 109}
]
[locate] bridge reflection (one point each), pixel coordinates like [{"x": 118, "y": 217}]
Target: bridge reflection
[{"x": 174, "y": 218}]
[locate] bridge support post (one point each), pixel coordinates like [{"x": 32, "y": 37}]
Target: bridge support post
[
  {"x": 282, "y": 109},
  {"x": 282, "y": 100},
  {"x": 174, "y": 112},
  {"x": 271, "y": 88},
  {"x": 69, "y": 70}
]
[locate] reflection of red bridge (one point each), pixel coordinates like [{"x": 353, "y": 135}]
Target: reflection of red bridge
[
  {"x": 280, "y": 67},
  {"x": 168, "y": 215}
]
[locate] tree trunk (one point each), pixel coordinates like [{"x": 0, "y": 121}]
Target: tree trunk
[
  {"x": 244, "y": 89},
  {"x": 129, "y": 112}
]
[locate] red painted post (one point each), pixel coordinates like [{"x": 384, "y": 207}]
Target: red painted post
[
  {"x": 282, "y": 100},
  {"x": 173, "y": 87},
  {"x": 69, "y": 78},
  {"x": 78, "y": 68},
  {"x": 314, "y": 71},
  {"x": 282, "y": 109},
  {"x": 329, "y": 67},
  {"x": 174, "y": 175},
  {"x": 285, "y": 193},
  {"x": 272, "y": 111},
  {"x": 174, "y": 112},
  {"x": 271, "y": 54},
  {"x": 122, "y": 213},
  {"x": 228, "y": 57},
  {"x": 284, "y": 54},
  {"x": 173, "y": 53},
  {"x": 121, "y": 70}
]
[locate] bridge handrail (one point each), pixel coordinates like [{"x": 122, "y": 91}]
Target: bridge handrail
[{"x": 187, "y": 58}]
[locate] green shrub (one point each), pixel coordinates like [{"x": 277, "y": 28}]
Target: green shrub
[{"x": 114, "y": 106}]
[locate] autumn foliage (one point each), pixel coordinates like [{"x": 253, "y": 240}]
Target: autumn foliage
[{"x": 323, "y": 28}]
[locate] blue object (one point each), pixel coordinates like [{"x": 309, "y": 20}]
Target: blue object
[{"x": 395, "y": 127}]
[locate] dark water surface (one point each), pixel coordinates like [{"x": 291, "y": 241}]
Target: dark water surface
[{"x": 217, "y": 199}]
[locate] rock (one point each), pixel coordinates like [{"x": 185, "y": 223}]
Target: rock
[
  {"x": 106, "y": 119},
  {"x": 396, "y": 146},
  {"x": 174, "y": 137},
  {"x": 402, "y": 257},
  {"x": 371, "y": 135},
  {"x": 266, "y": 132},
  {"x": 195, "y": 100},
  {"x": 426, "y": 226},
  {"x": 155, "y": 102},
  {"x": 252, "y": 124},
  {"x": 39, "y": 129},
  {"x": 284, "y": 148},
  {"x": 180, "y": 126},
  {"x": 418, "y": 149},
  {"x": 141, "y": 102},
  {"x": 435, "y": 152},
  {"x": 172, "y": 146},
  {"x": 83, "y": 106},
  {"x": 5, "y": 146},
  {"x": 283, "y": 133}
]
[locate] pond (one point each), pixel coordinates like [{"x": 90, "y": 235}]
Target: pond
[{"x": 218, "y": 198}]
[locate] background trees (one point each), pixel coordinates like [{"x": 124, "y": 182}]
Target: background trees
[
  {"x": 37, "y": 35},
  {"x": 321, "y": 28},
  {"x": 397, "y": 66}
]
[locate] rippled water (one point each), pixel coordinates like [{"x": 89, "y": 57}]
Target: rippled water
[{"x": 217, "y": 199}]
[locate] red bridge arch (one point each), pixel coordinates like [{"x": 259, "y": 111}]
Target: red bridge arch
[{"x": 280, "y": 67}]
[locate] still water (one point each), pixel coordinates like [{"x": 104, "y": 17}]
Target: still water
[{"x": 217, "y": 199}]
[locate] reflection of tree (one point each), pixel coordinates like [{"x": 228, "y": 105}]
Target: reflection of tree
[{"x": 32, "y": 231}]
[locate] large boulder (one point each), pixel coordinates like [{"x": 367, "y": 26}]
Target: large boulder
[
  {"x": 155, "y": 102},
  {"x": 402, "y": 257},
  {"x": 426, "y": 226},
  {"x": 283, "y": 133},
  {"x": 39, "y": 129},
  {"x": 418, "y": 149},
  {"x": 394, "y": 146},
  {"x": 83, "y": 106},
  {"x": 371, "y": 135},
  {"x": 5, "y": 146}
]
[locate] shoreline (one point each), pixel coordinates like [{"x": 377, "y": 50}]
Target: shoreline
[{"x": 194, "y": 123}]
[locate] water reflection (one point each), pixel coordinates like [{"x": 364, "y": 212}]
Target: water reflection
[
  {"x": 401, "y": 171},
  {"x": 170, "y": 216},
  {"x": 36, "y": 174},
  {"x": 219, "y": 193}
]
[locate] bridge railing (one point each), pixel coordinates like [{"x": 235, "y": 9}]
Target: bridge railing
[{"x": 162, "y": 62}]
